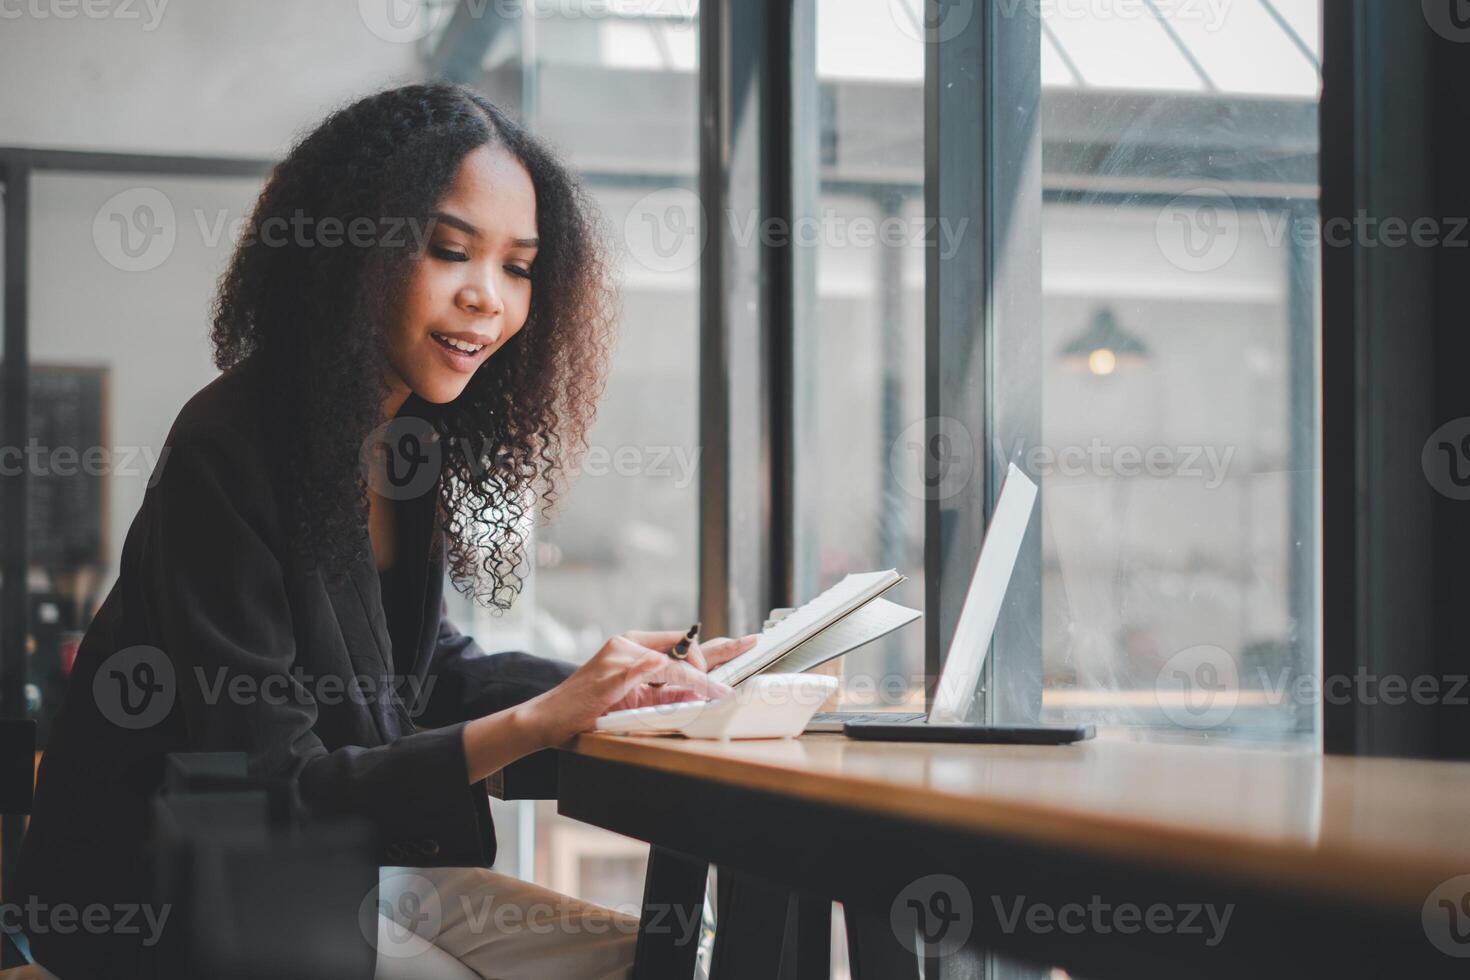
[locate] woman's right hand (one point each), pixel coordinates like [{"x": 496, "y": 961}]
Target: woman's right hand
[{"x": 620, "y": 675}]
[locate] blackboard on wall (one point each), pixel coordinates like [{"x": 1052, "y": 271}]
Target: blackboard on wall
[{"x": 68, "y": 492}]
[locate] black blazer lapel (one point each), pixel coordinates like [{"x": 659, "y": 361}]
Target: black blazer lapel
[
  {"x": 421, "y": 554},
  {"x": 433, "y": 604},
  {"x": 357, "y": 601},
  {"x": 424, "y": 551}
]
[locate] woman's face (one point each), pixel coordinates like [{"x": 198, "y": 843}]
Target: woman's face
[{"x": 470, "y": 291}]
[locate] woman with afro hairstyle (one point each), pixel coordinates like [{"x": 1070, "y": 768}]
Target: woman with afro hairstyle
[{"x": 413, "y": 333}]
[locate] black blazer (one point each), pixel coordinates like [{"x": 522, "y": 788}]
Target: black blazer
[{"x": 204, "y": 589}]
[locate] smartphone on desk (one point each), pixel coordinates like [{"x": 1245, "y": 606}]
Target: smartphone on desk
[{"x": 925, "y": 731}]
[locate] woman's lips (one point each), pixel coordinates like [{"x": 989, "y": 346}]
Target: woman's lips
[
  {"x": 468, "y": 343},
  {"x": 464, "y": 361}
]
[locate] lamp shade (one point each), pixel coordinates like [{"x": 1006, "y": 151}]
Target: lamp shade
[{"x": 1104, "y": 346}]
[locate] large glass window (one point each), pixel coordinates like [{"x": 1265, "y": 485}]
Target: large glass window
[
  {"x": 858, "y": 376},
  {"x": 1177, "y": 451}
]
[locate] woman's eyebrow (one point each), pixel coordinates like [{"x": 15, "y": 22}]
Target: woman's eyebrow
[
  {"x": 455, "y": 222},
  {"x": 469, "y": 229}
]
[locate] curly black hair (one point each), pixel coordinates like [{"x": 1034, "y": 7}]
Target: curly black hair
[{"x": 314, "y": 320}]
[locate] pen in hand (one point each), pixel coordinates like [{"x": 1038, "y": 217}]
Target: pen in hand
[{"x": 681, "y": 649}]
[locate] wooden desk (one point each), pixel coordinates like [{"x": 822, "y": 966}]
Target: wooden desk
[{"x": 1327, "y": 863}]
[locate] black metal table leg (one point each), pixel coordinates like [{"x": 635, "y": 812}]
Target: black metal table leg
[
  {"x": 750, "y": 928},
  {"x": 874, "y": 952},
  {"x": 808, "y": 953},
  {"x": 673, "y": 908}
]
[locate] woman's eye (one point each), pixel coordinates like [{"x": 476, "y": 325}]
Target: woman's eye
[
  {"x": 516, "y": 270},
  {"x": 449, "y": 254}
]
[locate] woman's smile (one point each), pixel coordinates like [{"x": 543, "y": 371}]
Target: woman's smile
[{"x": 462, "y": 351}]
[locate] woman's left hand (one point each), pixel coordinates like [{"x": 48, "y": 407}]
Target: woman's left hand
[{"x": 709, "y": 654}]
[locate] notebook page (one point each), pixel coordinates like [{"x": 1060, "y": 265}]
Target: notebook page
[
  {"x": 875, "y": 619},
  {"x": 803, "y": 623}
]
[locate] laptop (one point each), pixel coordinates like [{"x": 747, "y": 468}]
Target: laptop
[{"x": 959, "y": 681}]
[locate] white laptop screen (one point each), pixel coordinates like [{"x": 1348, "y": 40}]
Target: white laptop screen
[{"x": 971, "y": 643}]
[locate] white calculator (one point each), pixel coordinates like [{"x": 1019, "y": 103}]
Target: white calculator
[{"x": 763, "y": 706}]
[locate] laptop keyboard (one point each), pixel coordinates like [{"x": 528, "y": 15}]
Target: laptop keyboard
[{"x": 832, "y": 721}]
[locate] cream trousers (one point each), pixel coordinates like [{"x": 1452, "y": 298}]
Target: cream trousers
[{"x": 463, "y": 923}]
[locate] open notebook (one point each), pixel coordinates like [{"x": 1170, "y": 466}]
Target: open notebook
[
  {"x": 845, "y": 617},
  {"x": 840, "y": 620}
]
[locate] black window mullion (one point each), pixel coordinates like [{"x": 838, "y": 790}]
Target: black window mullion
[
  {"x": 15, "y": 487},
  {"x": 14, "y": 544},
  {"x": 1378, "y": 360},
  {"x": 778, "y": 255},
  {"x": 745, "y": 312}
]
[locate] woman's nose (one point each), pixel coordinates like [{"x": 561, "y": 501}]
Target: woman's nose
[{"x": 480, "y": 298}]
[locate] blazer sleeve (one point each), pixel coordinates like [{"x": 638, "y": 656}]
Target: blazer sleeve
[
  {"x": 469, "y": 683},
  {"x": 222, "y": 612}
]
